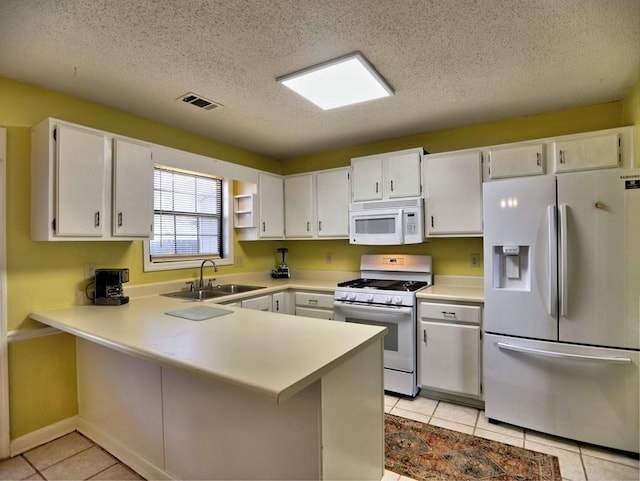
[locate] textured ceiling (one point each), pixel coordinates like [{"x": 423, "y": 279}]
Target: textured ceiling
[{"x": 451, "y": 62}]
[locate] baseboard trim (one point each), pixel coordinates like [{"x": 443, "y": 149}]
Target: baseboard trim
[
  {"x": 135, "y": 461},
  {"x": 43, "y": 435}
]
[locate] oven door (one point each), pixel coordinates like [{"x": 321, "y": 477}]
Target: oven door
[
  {"x": 400, "y": 341},
  {"x": 376, "y": 227}
]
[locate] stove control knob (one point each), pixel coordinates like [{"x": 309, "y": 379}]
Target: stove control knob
[
  {"x": 352, "y": 296},
  {"x": 388, "y": 300},
  {"x": 343, "y": 296},
  {"x": 397, "y": 300},
  {"x": 370, "y": 298}
]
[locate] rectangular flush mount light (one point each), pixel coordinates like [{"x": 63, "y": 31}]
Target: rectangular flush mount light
[{"x": 344, "y": 81}]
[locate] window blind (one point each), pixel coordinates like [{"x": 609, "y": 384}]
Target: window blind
[{"x": 187, "y": 220}]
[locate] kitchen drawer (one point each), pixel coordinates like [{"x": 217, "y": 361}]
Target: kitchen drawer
[
  {"x": 450, "y": 312},
  {"x": 315, "y": 313},
  {"x": 314, "y": 299}
]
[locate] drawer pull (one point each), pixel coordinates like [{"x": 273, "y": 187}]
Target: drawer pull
[
  {"x": 313, "y": 302},
  {"x": 449, "y": 315}
]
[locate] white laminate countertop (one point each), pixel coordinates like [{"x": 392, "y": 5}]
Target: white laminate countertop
[
  {"x": 454, "y": 288},
  {"x": 274, "y": 354}
]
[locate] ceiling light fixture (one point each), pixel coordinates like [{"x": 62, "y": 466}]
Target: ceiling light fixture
[{"x": 343, "y": 81}]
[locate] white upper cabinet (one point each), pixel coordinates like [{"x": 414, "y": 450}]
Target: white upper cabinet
[
  {"x": 453, "y": 194},
  {"x": 332, "y": 194},
  {"x": 516, "y": 160},
  {"x": 299, "y": 220},
  {"x": 80, "y": 169},
  {"x": 271, "y": 206},
  {"x": 132, "y": 189},
  {"x": 83, "y": 189},
  {"x": 590, "y": 152},
  {"x": 387, "y": 176},
  {"x": 317, "y": 204}
]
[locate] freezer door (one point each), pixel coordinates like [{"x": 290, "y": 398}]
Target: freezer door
[
  {"x": 520, "y": 257},
  {"x": 584, "y": 393},
  {"x": 599, "y": 224}
]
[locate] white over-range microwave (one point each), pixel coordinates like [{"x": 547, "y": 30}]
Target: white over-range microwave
[{"x": 387, "y": 222}]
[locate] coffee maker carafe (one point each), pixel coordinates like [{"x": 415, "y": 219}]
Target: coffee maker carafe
[{"x": 108, "y": 283}]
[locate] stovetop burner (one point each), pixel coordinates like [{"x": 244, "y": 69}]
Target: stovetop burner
[{"x": 387, "y": 285}]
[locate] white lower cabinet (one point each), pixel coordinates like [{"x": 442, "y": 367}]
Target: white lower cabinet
[
  {"x": 314, "y": 304},
  {"x": 261, "y": 303},
  {"x": 449, "y": 348},
  {"x": 280, "y": 302}
]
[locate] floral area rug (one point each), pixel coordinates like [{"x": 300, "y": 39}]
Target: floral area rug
[{"x": 425, "y": 452}]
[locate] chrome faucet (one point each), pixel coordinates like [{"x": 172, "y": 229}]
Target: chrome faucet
[{"x": 215, "y": 268}]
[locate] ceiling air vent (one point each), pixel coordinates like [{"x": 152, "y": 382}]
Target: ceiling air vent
[{"x": 199, "y": 101}]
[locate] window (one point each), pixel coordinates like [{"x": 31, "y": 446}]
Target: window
[{"x": 188, "y": 216}]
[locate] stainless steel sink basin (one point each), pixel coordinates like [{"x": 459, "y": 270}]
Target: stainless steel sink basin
[
  {"x": 235, "y": 288},
  {"x": 214, "y": 291},
  {"x": 197, "y": 295}
]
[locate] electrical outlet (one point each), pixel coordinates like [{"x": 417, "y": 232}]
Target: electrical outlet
[
  {"x": 238, "y": 261},
  {"x": 89, "y": 271},
  {"x": 475, "y": 260},
  {"x": 329, "y": 257}
]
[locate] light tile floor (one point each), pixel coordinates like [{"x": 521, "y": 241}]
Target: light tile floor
[
  {"x": 75, "y": 457},
  {"x": 578, "y": 462},
  {"x": 70, "y": 457}
]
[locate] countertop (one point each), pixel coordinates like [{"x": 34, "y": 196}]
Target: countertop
[
  {"x": 454, "y": 288},
  {"x": 274, "y": 354}
]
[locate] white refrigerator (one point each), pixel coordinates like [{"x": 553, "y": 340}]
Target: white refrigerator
[{"x": 561, "y": 347}]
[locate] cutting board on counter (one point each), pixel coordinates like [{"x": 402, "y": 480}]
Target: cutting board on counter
[{"x": 198, "y": 313}]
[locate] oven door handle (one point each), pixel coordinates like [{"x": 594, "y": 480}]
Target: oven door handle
[{"x": 372, "y": 308}]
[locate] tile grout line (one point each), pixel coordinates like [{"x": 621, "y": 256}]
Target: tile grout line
[{"x": 41, "y": 473}]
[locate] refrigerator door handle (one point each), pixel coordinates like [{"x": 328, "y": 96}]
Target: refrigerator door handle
[
  {"x": 564, "y": 262},
  {"x": 552, "y": 261},
  {"x": 562, "y": 355}
]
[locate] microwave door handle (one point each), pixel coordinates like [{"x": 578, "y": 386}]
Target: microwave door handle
[{"x": 400, "y": 225}]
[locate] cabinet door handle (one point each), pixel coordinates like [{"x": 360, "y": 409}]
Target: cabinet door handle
[
  {"x": 96, "y": 219},
  {"x": 538, "y": 159},
  {"x": 277, "y": 306},
  {"x": 320, "y": 225},
  {"x": 264, "y": 226},
  {"x": 562, "y": 159},
  {"x": 376, "y": 187},
  {"x": 432, "y": 221},
  {"x": 392, "y": 186},
  {"x": 424, "y": 336},
  {"x": 119, "y": 219},
  {"x": 308, "y": 226}
]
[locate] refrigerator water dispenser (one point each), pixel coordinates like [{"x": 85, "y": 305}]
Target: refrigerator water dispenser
[{"x": 511, "y": 267}]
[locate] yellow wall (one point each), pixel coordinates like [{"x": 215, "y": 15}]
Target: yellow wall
[{"x": 42, "y": 275}]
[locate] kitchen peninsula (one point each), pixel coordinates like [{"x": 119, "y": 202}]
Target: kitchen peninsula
[{"x": 242, "y": 395}]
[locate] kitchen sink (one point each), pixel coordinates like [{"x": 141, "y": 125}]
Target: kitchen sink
[
  {"x": 235, "y": 288},
  {"x": 197, "y": 295},
  {"x": 214, "y": 291}
]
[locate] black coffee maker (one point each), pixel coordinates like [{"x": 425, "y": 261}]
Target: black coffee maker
[{"x": 109, "y": 287}]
